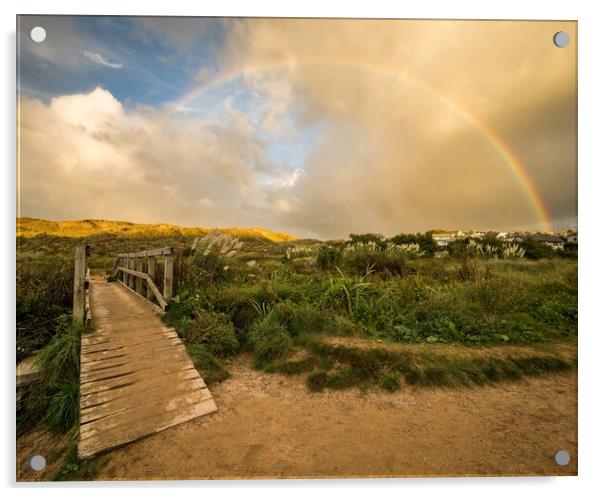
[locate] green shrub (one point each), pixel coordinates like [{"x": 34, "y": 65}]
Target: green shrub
[
  {"x": 341, "y": 379},
  {"x": 63, "y": 407},
  {"x": 208, "y": 366},
  {"x": 214, "y": 330},
  {"x": 298, "y": 319},
  {"x": 317, "y": 381},
  {"x": 390, "y": 382},
  {"x": 534, "y": 250},
  {"x": 292, "y": 367},
  {"x": 59, "y": 360},
  {"x": 245, "y": 304},
  {"x": 390, "y": 262},
  {"x": 269, "y": 340},
  {"x": 328, "y": 257},
  {"x": 54, "y": 399},
  {"x": 44, "y": 292}
]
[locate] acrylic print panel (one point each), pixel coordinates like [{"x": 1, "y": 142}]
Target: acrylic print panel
[{"x": 291, "y": 248}]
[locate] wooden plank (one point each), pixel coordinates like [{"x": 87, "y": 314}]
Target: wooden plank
[
  {"x": 166, "y": 362},
  {"x": 116, "y": 437},
  {"x": 130, "y": 417},
  {"x": 134, "y": 273},
  {"x": 136, "y": 377},
  {"x": 95, "y": 356},
  {"x": 105, "y": 384},
  {"x": 123, "y": 403},
  {"x": 150, "y": 334},
  {"x": 156, "y": 252},
  {"x": 88, "y": 400}
]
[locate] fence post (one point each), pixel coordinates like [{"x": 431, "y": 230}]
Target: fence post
[
  {"x": 139, "y": 264},
  {"x": 152, "y": 265},
  {"x": 168, "y": 278},
  {"x": 79, "y": 280},
  {"x": 130, "y": 276}
]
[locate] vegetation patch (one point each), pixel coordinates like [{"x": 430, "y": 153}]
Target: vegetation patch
[
  {"x": 210, "y": 368},
  {"x": 384, "y": 368},
  {"x": 54, "y": 399},
  {"x": 75, "y": 469}
]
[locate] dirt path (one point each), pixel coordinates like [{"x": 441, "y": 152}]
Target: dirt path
[{"x": 271, "y": 426}]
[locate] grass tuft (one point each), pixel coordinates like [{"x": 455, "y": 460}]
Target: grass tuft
[{"x": 208, "y": 366}]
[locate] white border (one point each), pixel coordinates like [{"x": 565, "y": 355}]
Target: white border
[{"x": 590, "y": 161}]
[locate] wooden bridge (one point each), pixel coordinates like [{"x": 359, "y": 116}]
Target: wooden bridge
[{"x": 136, "y": 378}]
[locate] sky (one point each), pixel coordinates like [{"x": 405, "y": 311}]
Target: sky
[{"x": 315, "y": 127}]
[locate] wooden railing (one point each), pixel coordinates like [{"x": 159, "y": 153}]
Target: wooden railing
[
  {"x": 137, "y": 272},
  {"x": 81, "y": 286}
]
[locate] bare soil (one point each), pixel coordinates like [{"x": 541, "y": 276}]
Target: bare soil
[
  {"x": 271, "y": 426},
  {"x": 43, "y": 443}
]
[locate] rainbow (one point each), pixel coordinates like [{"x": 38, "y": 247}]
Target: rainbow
[{"x": 503, "y": 150}]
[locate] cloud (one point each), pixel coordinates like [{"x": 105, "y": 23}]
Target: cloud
[
  {"x": 407, "y": 103},
  {"x": 84, "y": 155},
  {"x": 99, "y": 59},
  {"x": 406, "y": 111}
]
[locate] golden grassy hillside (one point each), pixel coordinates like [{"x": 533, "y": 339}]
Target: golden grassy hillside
[{"x": 28, "y": 228}]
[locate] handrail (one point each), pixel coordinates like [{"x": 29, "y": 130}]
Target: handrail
[
  {"x": 133, "y": 274},
  {"x": 157, "y": 252},
  {"x": 150, "y": 282}
]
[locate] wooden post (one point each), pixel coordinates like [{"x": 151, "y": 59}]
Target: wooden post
[
  {"x": 139, "y": 268},
  {"x": 121, "y": 275},
  {"x": 152, "y": 265},
  {"x": 79, "y": 280},
  {"x": 168, "y": 278},
  {"x": 131, "y": 278}
]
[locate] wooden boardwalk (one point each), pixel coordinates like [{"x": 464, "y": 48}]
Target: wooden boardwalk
[{"x": 136, "y": 378}]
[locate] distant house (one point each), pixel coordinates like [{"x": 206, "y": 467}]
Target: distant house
[
  {"x": 571, "y": 242},
  {"x": 443, "y": 239},
  {"x": 553, "y": 241},
  {"x": 513, "y": 239}
]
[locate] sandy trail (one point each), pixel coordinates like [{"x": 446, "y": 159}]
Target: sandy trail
[{"x": 271, "y": 426}]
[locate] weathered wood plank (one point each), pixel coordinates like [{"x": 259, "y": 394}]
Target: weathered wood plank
[
  {"x": 123, "y": 403},
  {"x": 116, "y": 437},
  {"x": 131, "y": 377},
  {"x": 140, "y": 339},
  {"x": 134, "y": 273},
  {"x": 95, "y": 356},
  {"x": 167, "y": 364},
  {"x": 88, "y": 400},
  {"x": 129, "y": 417},
  {"x": 136, "y": 377},
  {"x": 157, "y": 252}
]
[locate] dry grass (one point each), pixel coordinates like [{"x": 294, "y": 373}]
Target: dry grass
[{"x": 28, "y": 227}]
